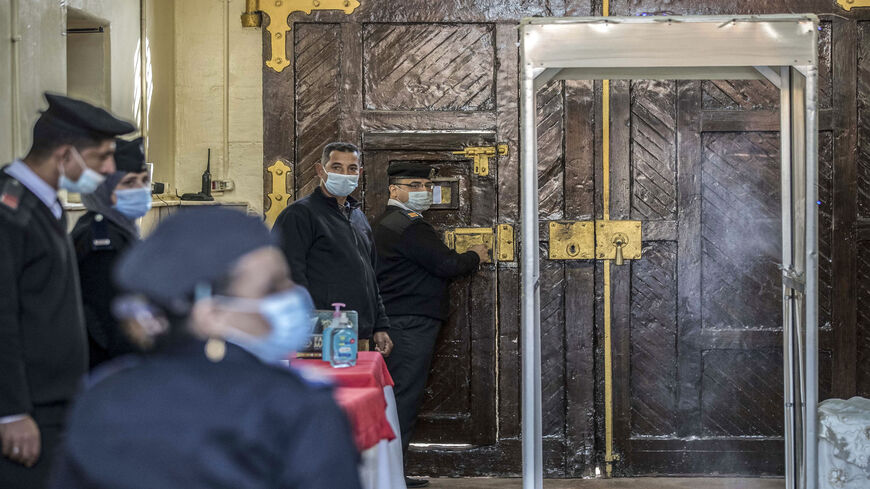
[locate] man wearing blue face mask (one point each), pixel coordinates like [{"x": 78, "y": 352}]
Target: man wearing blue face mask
[
  {"x": 208, "y": 404},
  {"x": 43, "y": 347},
  {"x": 328, "y": 243},
  {"x": 101, "y": 236}
]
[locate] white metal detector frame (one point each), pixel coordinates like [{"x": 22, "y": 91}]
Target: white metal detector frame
[{"x": 779, "y": 48}]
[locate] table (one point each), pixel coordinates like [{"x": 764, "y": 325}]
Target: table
[{"x": 365, "y": 393}]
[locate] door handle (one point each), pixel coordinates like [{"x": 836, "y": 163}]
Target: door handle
[{"x": 500, "y": 242}]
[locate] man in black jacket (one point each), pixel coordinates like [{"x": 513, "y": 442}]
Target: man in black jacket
[
  {"x": 43, "y": 347},
  {"x": 328, "y": 245},
  {"x": 414, "y": 269}
]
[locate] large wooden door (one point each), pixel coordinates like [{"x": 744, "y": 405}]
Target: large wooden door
[
  {"x": 459, "y": 402},
  {"x": 696, "y": 322}
]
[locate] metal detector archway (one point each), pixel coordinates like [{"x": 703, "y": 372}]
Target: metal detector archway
[{"x": 779, "y": 48}]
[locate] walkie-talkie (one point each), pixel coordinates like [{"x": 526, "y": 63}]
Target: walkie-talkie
[{"x": 205, "y": 193}]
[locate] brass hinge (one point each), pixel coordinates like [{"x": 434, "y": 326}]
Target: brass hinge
[
  {"x": 279, "y": 198},
  {"x": 481, "y": 156},
  {"x": 501, "y": 248},
  {"x": 279, "y": 25}
]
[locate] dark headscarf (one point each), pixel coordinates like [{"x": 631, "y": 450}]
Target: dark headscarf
[{"x": 100, "y": 201}]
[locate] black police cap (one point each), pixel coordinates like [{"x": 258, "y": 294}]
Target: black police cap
[
  {"x": 410, "y": 169},
  {"x": 82, "y": 118},
  {"x": 130, "y": 155},
  {"x": 194, "y": 246}
]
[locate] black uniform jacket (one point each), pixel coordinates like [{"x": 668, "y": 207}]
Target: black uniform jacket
[
  {"x": 43, "y": 350},
  {"x": 331, "y": 253},
  {"x": 415, "y": 266},
  {"x": 99, "y": 243},
  {"x": 178, "y": 420}
]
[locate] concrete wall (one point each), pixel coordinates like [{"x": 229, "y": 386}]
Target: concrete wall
[{"x": 218, "y": 91}]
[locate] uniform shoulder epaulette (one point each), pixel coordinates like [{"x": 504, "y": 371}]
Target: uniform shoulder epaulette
[
  {"x": 100, "y": 239},
  {"x": 399, "y": 221},
  {"x": 12, "y": 200},
  {"x": 412, "y": 214}
]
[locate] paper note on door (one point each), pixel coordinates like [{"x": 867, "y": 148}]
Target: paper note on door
[{"x": 436, "y": 194}]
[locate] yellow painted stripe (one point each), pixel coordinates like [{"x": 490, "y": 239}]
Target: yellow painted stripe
[{"x": 605, "y": 194}]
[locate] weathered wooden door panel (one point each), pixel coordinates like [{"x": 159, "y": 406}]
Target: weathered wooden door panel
[
  {"x": 705, "y": 341},
  {"x": 459, "y": 402}
]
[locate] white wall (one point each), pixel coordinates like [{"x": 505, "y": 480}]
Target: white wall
[
  {"x": 218, "y": 92},
  {"x": 206, "y": 84}
]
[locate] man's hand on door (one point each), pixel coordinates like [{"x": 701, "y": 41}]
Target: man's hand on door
[{"x": 482, "y": 253}]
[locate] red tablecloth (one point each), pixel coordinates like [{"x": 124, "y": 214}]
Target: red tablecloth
[
  {"x": 366, "y": 409},
  {"x": 360, "y": 393},
  {"x": 370, "y": 371}
]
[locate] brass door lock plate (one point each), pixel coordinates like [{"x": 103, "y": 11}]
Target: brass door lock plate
[
  {"x": 618, "y": 240},
  {"x": 572, "y": 240},
  {"x": 481, "y": 156},
  {"x": 462, "y": 239}
]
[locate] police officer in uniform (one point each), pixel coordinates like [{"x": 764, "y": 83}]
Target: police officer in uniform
[
  {"x": 43, "y": 349},
  {"x": 210, "y": 405},
  {"x": 101, "y": 236},
  {"x": 414, "y": 270}
]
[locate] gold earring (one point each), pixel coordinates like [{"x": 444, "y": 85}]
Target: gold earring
[{"x": 215, "y": 349}]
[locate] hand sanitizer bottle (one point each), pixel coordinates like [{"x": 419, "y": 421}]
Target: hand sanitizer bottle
[
  {"x": 342, "y": 340},
  {"x": 326, "y": 352}
]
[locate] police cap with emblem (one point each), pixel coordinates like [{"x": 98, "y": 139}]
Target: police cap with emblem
[
  {"x": 195, "y": 246},
  {"x": 130, "y": 156},
  {"x": 83, "y": 119},
  {"x": 410, "y": 169}
]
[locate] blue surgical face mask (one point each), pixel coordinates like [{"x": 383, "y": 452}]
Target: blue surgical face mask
[
  {"x": 340, "y": 185},
  {"x": 87, "y": 182},
  {"x": 419, "y": 201},
  {"x": 133, "y": 203},
  {"x": 289, "y": 313}
]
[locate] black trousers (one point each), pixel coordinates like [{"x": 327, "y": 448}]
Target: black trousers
[
  {"x": 413, "y": 346},
  {"x": 50, "y": 420}
]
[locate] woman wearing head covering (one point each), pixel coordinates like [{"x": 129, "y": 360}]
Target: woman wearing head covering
[
  {"x": 210, "y": 406},
  {"x": 100, "y": 236}
]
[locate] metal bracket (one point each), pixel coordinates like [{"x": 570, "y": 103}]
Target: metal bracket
[
  {"x": 572, "y": 240},
  {"x": 279, "y": 25},
  {"x": 481, "y": 156},
  {"x": 850, "y": 4},
  {"x": 618, "y": 240},
  {"x": 279, "y": 198},
  {"x": 793, "y": 281}
]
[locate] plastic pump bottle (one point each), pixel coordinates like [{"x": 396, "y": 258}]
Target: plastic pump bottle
[{"x": 340, "y": 340}]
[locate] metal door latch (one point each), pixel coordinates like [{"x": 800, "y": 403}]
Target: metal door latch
[
  {"x": 481, "y": 156},
  {"x": 602, "y": 240},
  {"x": 618, "y": 241},
  {"x": 500, "y": 243}
]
